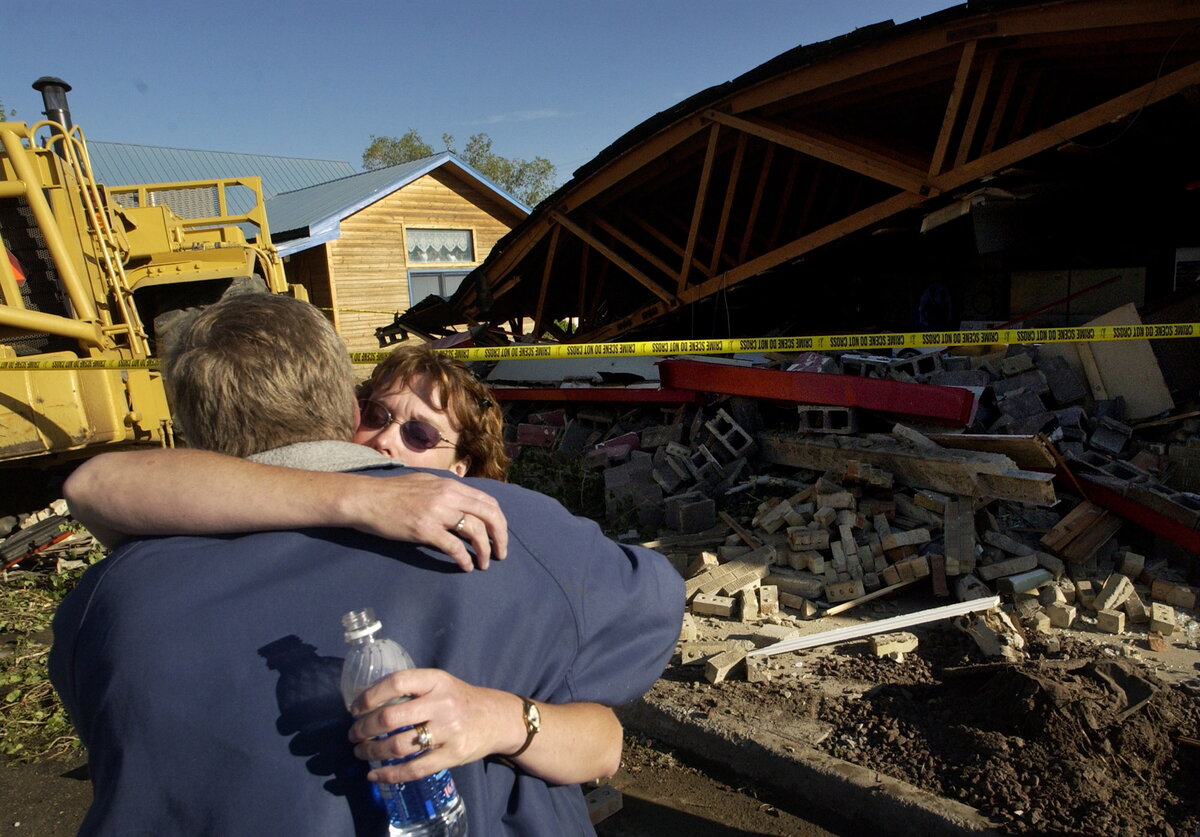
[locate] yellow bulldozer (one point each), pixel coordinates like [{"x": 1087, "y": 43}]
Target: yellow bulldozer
[{"x": 93, "y": 280}]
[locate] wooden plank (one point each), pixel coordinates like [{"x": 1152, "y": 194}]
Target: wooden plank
[
  {"x": 735, "y": 172},
  {"x": 882, "y": 591},
  {"x": 1027, "y": 452},
  {"x": 608, "y": 253},
  {"x": 1092, "y": 372},
  {"x": 952, "y": 107},
  {"x": 1085, "y": 545},
  {"x": 840, "y": 153},
  {"x": 1076, "y": 521},
  {"x": 539, "y": 310},
  {"x": 1129, "y": 368},
  {"x": 756, "y": 203},
  {"x": 981, "y": 91},
  {"x": 1001, "y": 108},
  {"x": 710, "y": 156}
]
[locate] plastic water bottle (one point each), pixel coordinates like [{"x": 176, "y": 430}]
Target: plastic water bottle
[{"x": 429, "y": 806}]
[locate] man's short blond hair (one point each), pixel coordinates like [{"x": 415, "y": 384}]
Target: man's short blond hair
[{"x": 259, "y": 371}]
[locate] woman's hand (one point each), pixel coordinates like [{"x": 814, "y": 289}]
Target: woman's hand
[
  {"x": 577, "y": 742},
  {"x": 425, "y": 508}
]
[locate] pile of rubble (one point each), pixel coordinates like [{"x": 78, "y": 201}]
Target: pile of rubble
[
  {"x": 852, "y": 515},
  {"x": 49, "y": 534}
]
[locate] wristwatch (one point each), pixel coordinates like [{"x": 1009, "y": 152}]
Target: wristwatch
[{"x": 533, "y": 723}]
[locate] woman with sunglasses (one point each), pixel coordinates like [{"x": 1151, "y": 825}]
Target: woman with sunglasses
[{"x": 418, "y": 407}]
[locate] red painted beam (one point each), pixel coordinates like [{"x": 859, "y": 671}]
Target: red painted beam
[
  {"x": 601, "y": 394},
  {"x": 1160, "y": 524},
  {"x": 952, "y": 406}
]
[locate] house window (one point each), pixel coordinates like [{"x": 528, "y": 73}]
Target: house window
[
  {"x": 440, "y": 246},
  {"x": 424, "y": 283}
]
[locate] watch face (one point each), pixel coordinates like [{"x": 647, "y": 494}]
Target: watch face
[{"x": 533, "y": 717}]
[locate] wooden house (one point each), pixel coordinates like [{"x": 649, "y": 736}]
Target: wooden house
[
  {"x": 373, "y": 244},
  {"x": 365, "y": 245}
]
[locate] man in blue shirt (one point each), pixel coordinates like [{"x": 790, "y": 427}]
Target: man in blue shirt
[{"x": 202, "y": 672}]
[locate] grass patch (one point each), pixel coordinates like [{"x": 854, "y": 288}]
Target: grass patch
[{"x": 35, "y": 724}]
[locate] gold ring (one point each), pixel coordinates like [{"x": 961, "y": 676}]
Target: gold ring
[
  {"x": 462, "y": 521},
  {"x": 424, "y": 739}
]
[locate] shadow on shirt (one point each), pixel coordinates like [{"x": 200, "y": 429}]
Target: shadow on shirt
[{"x": 312, "y": 713}]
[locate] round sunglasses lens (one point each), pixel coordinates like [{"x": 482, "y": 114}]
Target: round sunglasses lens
[
  {"x": 372, "y": 415},
  {"x": 420, "y": 435}
]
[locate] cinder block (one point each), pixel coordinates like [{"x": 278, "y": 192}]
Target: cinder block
[
  {"x": 1021, "y": 582},
  {"x": 723, "y": 665},
  {"x": 1132, "y": 564},
  {"x": 801, "y": 539},
  {"x": 1117, "y": 588},
  {"x": 1110, "y": 621},
  {"x": 1162, "y": 618},
  {"x": 1176, "y": 595},
  {"x": 687, "y": 632},
  {"x": 712, "y": 605},
  {"x": 900, "y": 642},
  {"x": 697, "y": 653},
  {"x": 815, "y": 418},
  {"x": 1136, "y": 609},
  {"x": 730, "y": 434},
  {"x": 1061, "y": 615},
  {"x": 747, "y": 601},
  {"x": 771, "y": 634},
  {"x": 768, "y": 600},
  {"x": 1010, "y": 566},
  {"x": 844, "y": 591}
]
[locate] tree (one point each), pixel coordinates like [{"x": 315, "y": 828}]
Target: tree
[
  {"x": 392, "y": 151},
  {"x": 527, "y": 180},
  {"x": 6, "y": 115}
]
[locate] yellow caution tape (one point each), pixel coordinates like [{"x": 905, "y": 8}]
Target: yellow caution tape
[{"x": 661, "y": 348}]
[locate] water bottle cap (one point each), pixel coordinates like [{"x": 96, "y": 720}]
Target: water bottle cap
[{"x": 360, "y": 623}]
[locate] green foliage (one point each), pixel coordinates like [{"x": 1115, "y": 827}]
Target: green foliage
[
  {"x": 6, "y": 115},
  {"x": 528, "y": 180},
  {"x": 35, "y": 723},
  {"x": 392, "y": 151}
]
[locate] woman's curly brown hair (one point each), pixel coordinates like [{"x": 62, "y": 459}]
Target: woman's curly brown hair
[{"x": 466, "y": 401}]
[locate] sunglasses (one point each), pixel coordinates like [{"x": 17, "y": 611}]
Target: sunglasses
[{"x": 417, "y": 434}]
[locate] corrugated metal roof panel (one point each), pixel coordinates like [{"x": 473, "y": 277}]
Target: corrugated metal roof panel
[{"x": 123, "y": 164}]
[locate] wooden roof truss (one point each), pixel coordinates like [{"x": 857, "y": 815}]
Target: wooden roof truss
[{"x": 772, "y": 168}]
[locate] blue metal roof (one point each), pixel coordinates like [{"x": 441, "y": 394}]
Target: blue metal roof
[
  {"x": 310, "y": 216},
  {"x": 126, "y": 164}
]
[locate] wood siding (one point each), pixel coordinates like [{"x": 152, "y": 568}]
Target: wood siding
[
  {"x": 310, "y": 269},
  {"x": 368, "y": 261}
]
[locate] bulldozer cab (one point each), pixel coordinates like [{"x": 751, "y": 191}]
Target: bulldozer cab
[{"x": 94, "y": 281}]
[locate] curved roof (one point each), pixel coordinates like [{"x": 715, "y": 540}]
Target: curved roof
[{"x": 832, "y": 145}]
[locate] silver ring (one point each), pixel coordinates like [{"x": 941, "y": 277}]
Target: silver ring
[
  {"x": 424, "y": 739},
  {"x": 462, "y": 521}
]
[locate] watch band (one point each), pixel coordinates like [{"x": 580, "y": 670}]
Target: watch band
[{"x": 533, "y": 723}]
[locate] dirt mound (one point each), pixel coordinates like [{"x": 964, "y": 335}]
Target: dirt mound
[{"x": 1089, "y": 746}]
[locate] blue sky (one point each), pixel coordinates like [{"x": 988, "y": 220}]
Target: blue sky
[{"x": 298, "y": 78}]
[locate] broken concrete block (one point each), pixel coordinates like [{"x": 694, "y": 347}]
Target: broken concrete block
[
  {"x": 1176, "y": 595},
  {"x": 768, "y": 600},
  {"x": 697, "y": 653},
  {"x": 1011, "y": 566},
  {"x": 1110, "y": 621},
  {"x": 689, "y": 514},
  {"x": 834, "y": 501},
  {"x": 899, "y": 540},
  {"x": 1022, "y": 582},
  {"x": 899, "y": 642},
  {"x": 800, "y": 539},
  {"x": 717, "y": 668},
  {"x": 1049, "y": 562},
  {"x": 1061, "y": 615},
  {"x": 747, "y": 600},
  {"x": 687, "y": 631},
  {"x": 1113, "y": 594},
  {"x": 1162, "y": 618},
  {"x": 995, "y": 634},
  {"x": 1085, "y": 592},
  {"x": 1007, "y": 544},
  {"x": 701, "y": 563},
  {"x": 806, "y": 608},
  {"x": 1051, "y": 594},
  {"x": 1136, "y": 609},
  {"x": 844, "y": 591},
  {"x": 1132, "y": 564},
  {"x": 771, "y": 634},
  {"x": 1041, "y": 621},
  {"x": 712, "y": 605},
  {"x": 798, "y": 584}
]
